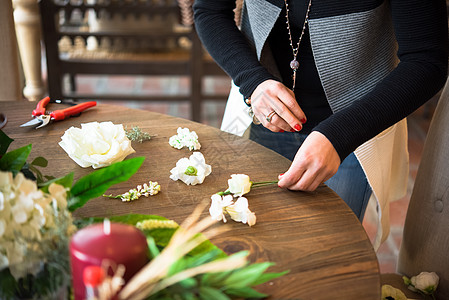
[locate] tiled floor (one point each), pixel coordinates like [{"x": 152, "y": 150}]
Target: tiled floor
[{"x": 212, "y": 114}]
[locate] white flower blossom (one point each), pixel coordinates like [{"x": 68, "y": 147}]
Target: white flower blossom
[
  {"x": 96, "y": 144},
  {"x": 239, "y": 184},
  {"x": 218, "y": 206},
  {"x": 240, "y": 212},
  {"x": 185, "y": 138},
  {"x": 425, "y": 282},
  {"x": 192, "y": 170},
  {"x": 26, "y": 216}
]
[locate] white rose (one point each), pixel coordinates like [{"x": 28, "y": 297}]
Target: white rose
[
  {"x": 96, "y": 144},
  {"x": 239, "y": 184},
  {"x": 426, "y": 282},
  {"x": 192, "y": 170}
]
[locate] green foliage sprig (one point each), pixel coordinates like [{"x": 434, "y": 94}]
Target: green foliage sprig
[{"x": 136, "y": 134}]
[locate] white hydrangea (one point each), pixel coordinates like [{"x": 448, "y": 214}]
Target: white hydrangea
[
  {"x": 185, "y": 138},
  {"x": 25, "y": 215}
]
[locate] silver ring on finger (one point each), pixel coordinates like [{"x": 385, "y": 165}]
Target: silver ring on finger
[{"x": 269, "y": 116}]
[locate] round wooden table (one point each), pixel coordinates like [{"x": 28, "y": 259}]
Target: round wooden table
[{"x": 314, "y": 235}]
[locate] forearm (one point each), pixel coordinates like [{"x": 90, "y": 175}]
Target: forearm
[
  {"x": 214, "y": 21},
  {"x": 421, "y": 32}
]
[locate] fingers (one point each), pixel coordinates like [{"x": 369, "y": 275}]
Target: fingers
[
  {"x": 272, "y": 96},
  {"x": 308, "y": 182},
  {"x": 315, "y": 162}
]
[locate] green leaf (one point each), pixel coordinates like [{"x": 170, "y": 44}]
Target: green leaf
[
  {"x": 96, "y": 183},
  {"x": 14, "y": 160},
  {"x": 188, "y": 283},
  {"x": 188, "y": 296},
  {"x": 193, "y": 261},
  {"x": 133, "y": 219},
  {"x": 215, "y": 279},
  {"x": 8, "y": 285},
  {"x": 152, "y": 247},
  {"x": 205, "y": 247},
  {"x": 267, "y": 277},
  {"x": 65, "y": 181},
  {"x": 5, "y": 141},
  {"x": 40, "y": 162},
  {"x": 245, "y": 292},
  {"x": 246, "y": 276},
  {"x": 208, "y": 293}
]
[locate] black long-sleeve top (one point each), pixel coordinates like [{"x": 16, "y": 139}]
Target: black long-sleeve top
[{"x": 421, "y": 32}]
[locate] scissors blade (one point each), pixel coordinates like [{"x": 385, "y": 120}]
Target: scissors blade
[
  {"x": 32, "y": 122},
  {"x": 45, "y": 119}
]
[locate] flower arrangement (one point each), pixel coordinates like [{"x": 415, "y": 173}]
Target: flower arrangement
[
  {"x": 36, "y": 222},
  {"x": 184, "y": 263}
]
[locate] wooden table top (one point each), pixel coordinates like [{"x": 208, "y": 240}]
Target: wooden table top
[{"x": 314, "y": 235}]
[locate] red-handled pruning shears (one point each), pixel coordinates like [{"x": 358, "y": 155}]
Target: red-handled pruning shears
[{"x": 41, "y": 118}]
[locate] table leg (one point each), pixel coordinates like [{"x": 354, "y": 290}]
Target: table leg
[
  {"x": 9, "y": 60},
  {"x": 28, "y": 30}
]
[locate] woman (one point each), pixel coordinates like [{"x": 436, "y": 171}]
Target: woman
[{"x": 324, "y": 80}]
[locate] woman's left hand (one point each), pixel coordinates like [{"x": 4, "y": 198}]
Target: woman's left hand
[{"x": 315, "y": 162}]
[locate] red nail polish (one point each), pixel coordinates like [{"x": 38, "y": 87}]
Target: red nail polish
[
  {"x": 303, "y": 121},
  {"x": 282, "y": 130},
  {"x": 281, "y": 174},
  {"x": 298, "y": 127}
]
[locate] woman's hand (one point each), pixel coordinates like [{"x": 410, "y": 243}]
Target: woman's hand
[
  {"x": 315, "y": 162},
  {"x": 272, "y": 96}
]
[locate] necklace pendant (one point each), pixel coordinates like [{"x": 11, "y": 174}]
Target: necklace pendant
[{"x": 294, "y": 64}]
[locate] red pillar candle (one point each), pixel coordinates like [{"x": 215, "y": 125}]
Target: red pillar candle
[{"x": 120, "y": 243}]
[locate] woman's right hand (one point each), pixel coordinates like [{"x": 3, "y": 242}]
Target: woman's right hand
[{"x": 272, "y": 96}]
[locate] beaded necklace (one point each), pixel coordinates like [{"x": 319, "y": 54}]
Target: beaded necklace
[{"x": 294, "y": 64}]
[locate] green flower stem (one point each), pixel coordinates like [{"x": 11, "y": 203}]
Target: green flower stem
[
  {"x": 263, "y": 183},
  {"x": 112, "y": 197},
  {"x": 227, "y": 192}
]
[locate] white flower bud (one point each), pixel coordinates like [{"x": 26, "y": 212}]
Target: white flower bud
[{"x": 239, "y": 184}]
